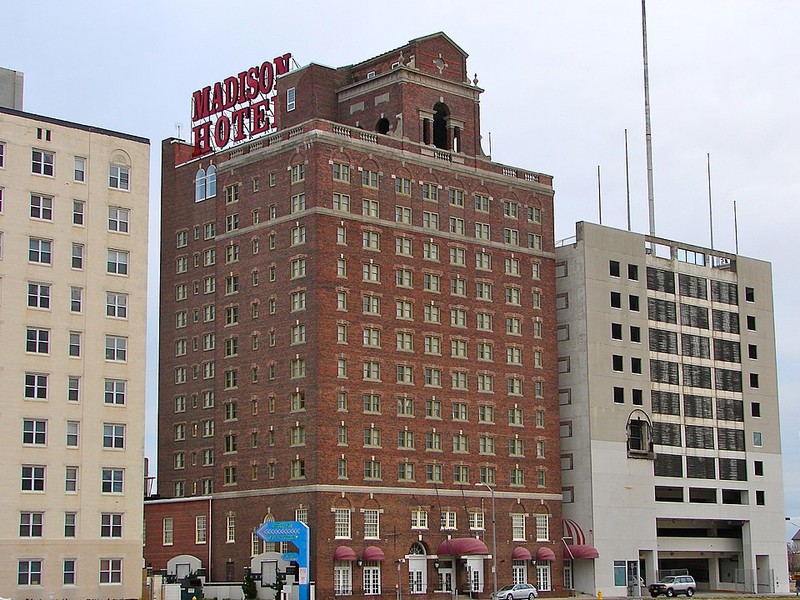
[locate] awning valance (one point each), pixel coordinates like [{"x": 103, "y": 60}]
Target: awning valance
[
  {"x": 461, "y": 547},
  {"x": 521, "y": 553},
  {"x": 373, "y": 553},
  {"x": 545, "y": 554},
  {"x": 580, "y": 551},
  {"x": 344, "y": 553}
]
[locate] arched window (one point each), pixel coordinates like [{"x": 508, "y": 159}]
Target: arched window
[
  {"x": 200, "y": 185},
  {"x": 640, "y": 435},
  {"x": 440, "y": 116},
  {"x": 382, "y": 126},
  {"x": 205, "y": 183},
  {"x": 211, "y": 181}
]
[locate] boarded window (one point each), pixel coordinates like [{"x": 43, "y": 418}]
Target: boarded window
[
  {"x": 665, "y": 403},
  {"x": 668, "y": 465},
  {"x": 730, "y": 439},
  {"x": 692, "y": 286},
  {"x": 701, "y": 467},
  {"x": 667, "y": 434},
  {"x": 663, "y": 311},
  {"x": 663, "y": 341},
  {"x": 724, "y": 292},
  {"x": 660, "y": 280},
  {"x": 727, "y": 350},
  {"x": 664, "y": 371},
  {"x": 728, "y": 380},
  {"x": 699, "y": 436},
  {"x": 698, "y": 406},
  {"x": 697, "y": 376},
  {"x": 729, "y": 409},
  {"x": 694, "y": 316},
  {"x": 725, "y": 321},
  {"x": 732, "y": 469},
  {"x": 695, "y": 345}
]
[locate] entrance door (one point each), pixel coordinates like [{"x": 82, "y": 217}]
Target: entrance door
[{"x": 446, "y": 576}]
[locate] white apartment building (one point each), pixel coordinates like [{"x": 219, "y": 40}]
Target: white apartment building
[
  {"x": 73, "y": 279},
  {"x": 670, "y": 436}
]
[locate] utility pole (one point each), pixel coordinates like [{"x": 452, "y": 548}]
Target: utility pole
[{"x": 494, "y": 538}]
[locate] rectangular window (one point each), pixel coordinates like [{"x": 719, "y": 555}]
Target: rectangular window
[
  {"x": 29, "y": 572},
  {"x": 40, "y": 251},
  {"x": 37, "y": 340},
  {"x": 117, "y": 263},
  {"x": 116, "y": 348},
  {"x": 43, "y": 162},
  {"x": 32, "y": 479}
]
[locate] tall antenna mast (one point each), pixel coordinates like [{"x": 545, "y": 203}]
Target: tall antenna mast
[
  {"x": 599, "y": 197},
  {"x": 627, "y": 181},
  {"x": 735, "y": 227},
  {"x": 710, "y": 211},
  {"x": 651, "y": 203}
]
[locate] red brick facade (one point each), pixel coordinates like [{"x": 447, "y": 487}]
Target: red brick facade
[{"x": 334, "y": 384}]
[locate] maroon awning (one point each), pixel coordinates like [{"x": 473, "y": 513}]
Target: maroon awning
[
  {"x": 373, "y": 553},
  {"x": 344, "y": 553},
  {"x": 580, "y": 551},
  {"x": 520, "y": 553},
  {"x": 462, "y": 546},
  {"x": 545, "y": 554}
]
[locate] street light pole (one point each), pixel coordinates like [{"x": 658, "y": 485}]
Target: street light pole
[{"x": 494, "y": 537}]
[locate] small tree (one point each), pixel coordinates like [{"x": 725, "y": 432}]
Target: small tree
[{"x": 249, "y": 586}]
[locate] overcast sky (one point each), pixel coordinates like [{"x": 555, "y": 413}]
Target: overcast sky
[{"x": 563, "y": 80}]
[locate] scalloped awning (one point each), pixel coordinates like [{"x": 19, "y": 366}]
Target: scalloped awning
[{"x": 344, "y": 553}]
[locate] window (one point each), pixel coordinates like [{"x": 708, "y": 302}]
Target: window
[
  {"x": 113, "y": 435},
  {"x": 40, "y": 251},
  {"x": 41, "y": 207},
  {"x": 39, "y": 295},
  {"x": 419, "y": 519},
  {"x": 117, "y": 305},
  {"x": 73, "y": 389},
  {"x": 430, "y": 220},
  {"x": 112, "y": 481},
  {"x": 115, "y": 392},
  {"x": 29, "y": 572},
  {"x": 341, "y": 202},
  {"x": 481, "y": 203},
  {"x": 371, "y": 524},
  {"x": 111, "y": 525},
  {"x": 32, "y": 479},
  {"x": 482, "y": 231},
  {"x": 37, "y": 340},
  {"x": 68, "y": 571},
  {"x": 117, "y": 263},
  {"x": 118, "y": 177},
  {"x": 116, "y": 348},
  {"x": 118, "y": 219},
  {"x": 232, "y": 221},
  {"x": 2, "y": 155},
  {"x": 42, "y": 162},
  {"x": 34, "y": 432},
  {"x": 342, "y": 523},
  {"x": 291, "y": 99},
  {"x": 110, "y": 570},
  {"x": 518, "y": 527},
  {"x": 75, "y": 343}
]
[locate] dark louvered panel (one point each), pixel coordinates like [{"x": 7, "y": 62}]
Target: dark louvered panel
[
  {"x": 728, "y": 380},
  {"x": 663, "y": 341},
  {"x": 725, "y": 321},
  {"x": 663, "y": 311},
  {"x": 724, "y": 292},
  {"x": 695, "y": 345},
  {"x": 664, "y": 372},
  {"x": 729, "y": 409},
  {"x": 699, "y": 436},
  {"x": 694, "y": 316},
  {"x": 667, "y": 434},
  {"x": 701, "y": 467},
  {"x": 701, "y": 407},
  {"x": 668, "y": 465},
  {"x": 665, "y": 403},
  {"x": 732, "y": 469},
  {"x": 730, "y": 439},
  {"x": 660, "y": 280},
  {"x": 727, "y": 350},
  {"x": 697, "y": 376},
  {"x": 692, "y": 286}
]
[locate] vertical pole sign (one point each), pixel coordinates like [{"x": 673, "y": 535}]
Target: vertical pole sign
[{"x": 297, "y": 533}]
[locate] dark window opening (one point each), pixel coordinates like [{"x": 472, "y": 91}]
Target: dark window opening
[
  {"x": 440, "y": 117},
  {"x": 616, "y": 331},
  {"x": 755, "y": 409},
  {"x": 758, "y": 468},
  {"x": 382, "y": 126},
  {"x": 668, "y": 493},
  {"x": 613, "y": 268},
  {"x": 753, "y": 380},
  {"x": 633, "y": 303},
  {"x": 616, "y": 300},
  {"x": 616, "y": 362},
  {"x": 633, "y": 272},
  {"x": 637, "y": 396},
  {"x": 752, "y": 351},
  {"x": 751, "y": 323},
  {"x": 636, "y": 334},
  {"x": 426, "y": 128},
  {"x": 703, "y": 495},
  {"x": 619, "y": 395},
  {"x": 733, "y": 497},
  {"x": 750, "y": 294},
  {"x": 760, "y": 499}
]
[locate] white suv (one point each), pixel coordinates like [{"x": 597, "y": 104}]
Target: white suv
[{"x": 674, "y": 585}]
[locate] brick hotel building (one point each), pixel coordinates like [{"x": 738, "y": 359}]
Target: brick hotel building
[{"x": 358, "y": 331}]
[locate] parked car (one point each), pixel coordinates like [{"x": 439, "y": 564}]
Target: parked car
[
  {"x": 518, "y": 591},
  {"x": 673, "y": 585}
]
